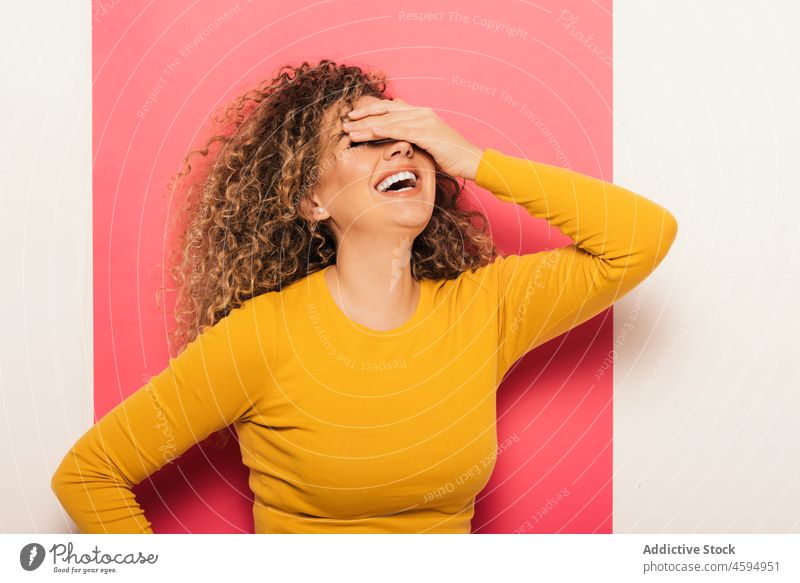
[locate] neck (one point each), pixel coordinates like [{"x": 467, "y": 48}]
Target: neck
[{"x": 372, "y": 282}]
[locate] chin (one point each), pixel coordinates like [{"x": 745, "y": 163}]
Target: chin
[{"x": 408, "y": 213}]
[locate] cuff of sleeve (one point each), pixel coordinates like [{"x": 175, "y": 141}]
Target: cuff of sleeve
[
  {"x": 488, "y": 174},
  {"x": 502, "y": 174}
]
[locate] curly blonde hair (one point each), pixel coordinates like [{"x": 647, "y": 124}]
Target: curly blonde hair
[{"x": 241, "y": 230}]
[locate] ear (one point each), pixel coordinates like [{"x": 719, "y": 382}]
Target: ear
[{"x": 308, "y": 208}]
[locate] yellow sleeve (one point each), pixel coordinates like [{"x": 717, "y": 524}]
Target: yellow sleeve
[
  {"x": 218, "y": 379},
  {"x": 619, "y": 238}
]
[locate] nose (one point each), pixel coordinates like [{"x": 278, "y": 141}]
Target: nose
[{"x": 400, "y": 147}]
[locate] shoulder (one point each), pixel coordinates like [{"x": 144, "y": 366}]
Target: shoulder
[
  {"x": 254, "y": 316},
  {"x": 471, "y": 283},
  {"x": 267, "y": 312}
]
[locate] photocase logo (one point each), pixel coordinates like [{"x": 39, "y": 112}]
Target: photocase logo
[{"x": 31, "y": 556}]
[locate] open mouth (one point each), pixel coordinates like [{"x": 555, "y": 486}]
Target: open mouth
[{"x": 401, "y": 182}]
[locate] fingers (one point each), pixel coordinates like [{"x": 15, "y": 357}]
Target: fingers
[
  {"x": 378, "y": 108},
  {"x": 365, "y": 135},
  {"x": 392, "y": 117},
  {"x": 395, "y": 131},
  {"x": 363, "y": 112}
]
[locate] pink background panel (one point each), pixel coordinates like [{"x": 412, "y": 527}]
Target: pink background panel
[{"x": 160, "y": 70}]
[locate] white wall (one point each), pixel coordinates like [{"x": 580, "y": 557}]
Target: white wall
[
  {"x": 706, "y": 121},
  {"x": 45, "y": 237},
  {"x": 706, "y": 437}
]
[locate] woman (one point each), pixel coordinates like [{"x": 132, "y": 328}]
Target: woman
[{"x": 354, "y": 323}]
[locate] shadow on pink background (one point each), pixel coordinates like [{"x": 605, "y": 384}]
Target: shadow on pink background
[{"x": 530, "y": 79}]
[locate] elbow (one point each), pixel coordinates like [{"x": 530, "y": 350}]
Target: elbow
[
  {"x": 55, "y": 484},
  {"x": 59, "y": 483},
  {"x": 647, "y": 250},
  {"x": 670, "y": 226},
  {"x": 667, "y": 235},
  {"x": 66, "y": 478}
]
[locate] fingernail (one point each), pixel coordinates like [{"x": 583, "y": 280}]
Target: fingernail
[{"x": 353, "y": 112}]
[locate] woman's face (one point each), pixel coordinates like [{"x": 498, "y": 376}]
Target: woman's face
[{"x": 349, "y": 185}]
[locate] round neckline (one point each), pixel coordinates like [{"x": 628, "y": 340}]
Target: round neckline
[{"x": 327, "y": 297}]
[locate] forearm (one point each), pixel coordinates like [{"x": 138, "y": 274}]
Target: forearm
[
  {"x": 625, "y": 231},
  {"x": 96, "y": 498},
  {"x": 217, "y": 380}
]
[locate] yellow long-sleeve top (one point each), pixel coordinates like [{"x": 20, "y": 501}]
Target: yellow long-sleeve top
[{"x": 347, "y": 429}]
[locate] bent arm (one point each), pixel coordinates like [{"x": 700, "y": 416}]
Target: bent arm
[
  {"x": 218, "y": 379},
  {"x": 619, "y": 237}
]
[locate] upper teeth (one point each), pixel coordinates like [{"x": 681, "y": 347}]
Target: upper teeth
[{"x": 404, "y": 175}]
